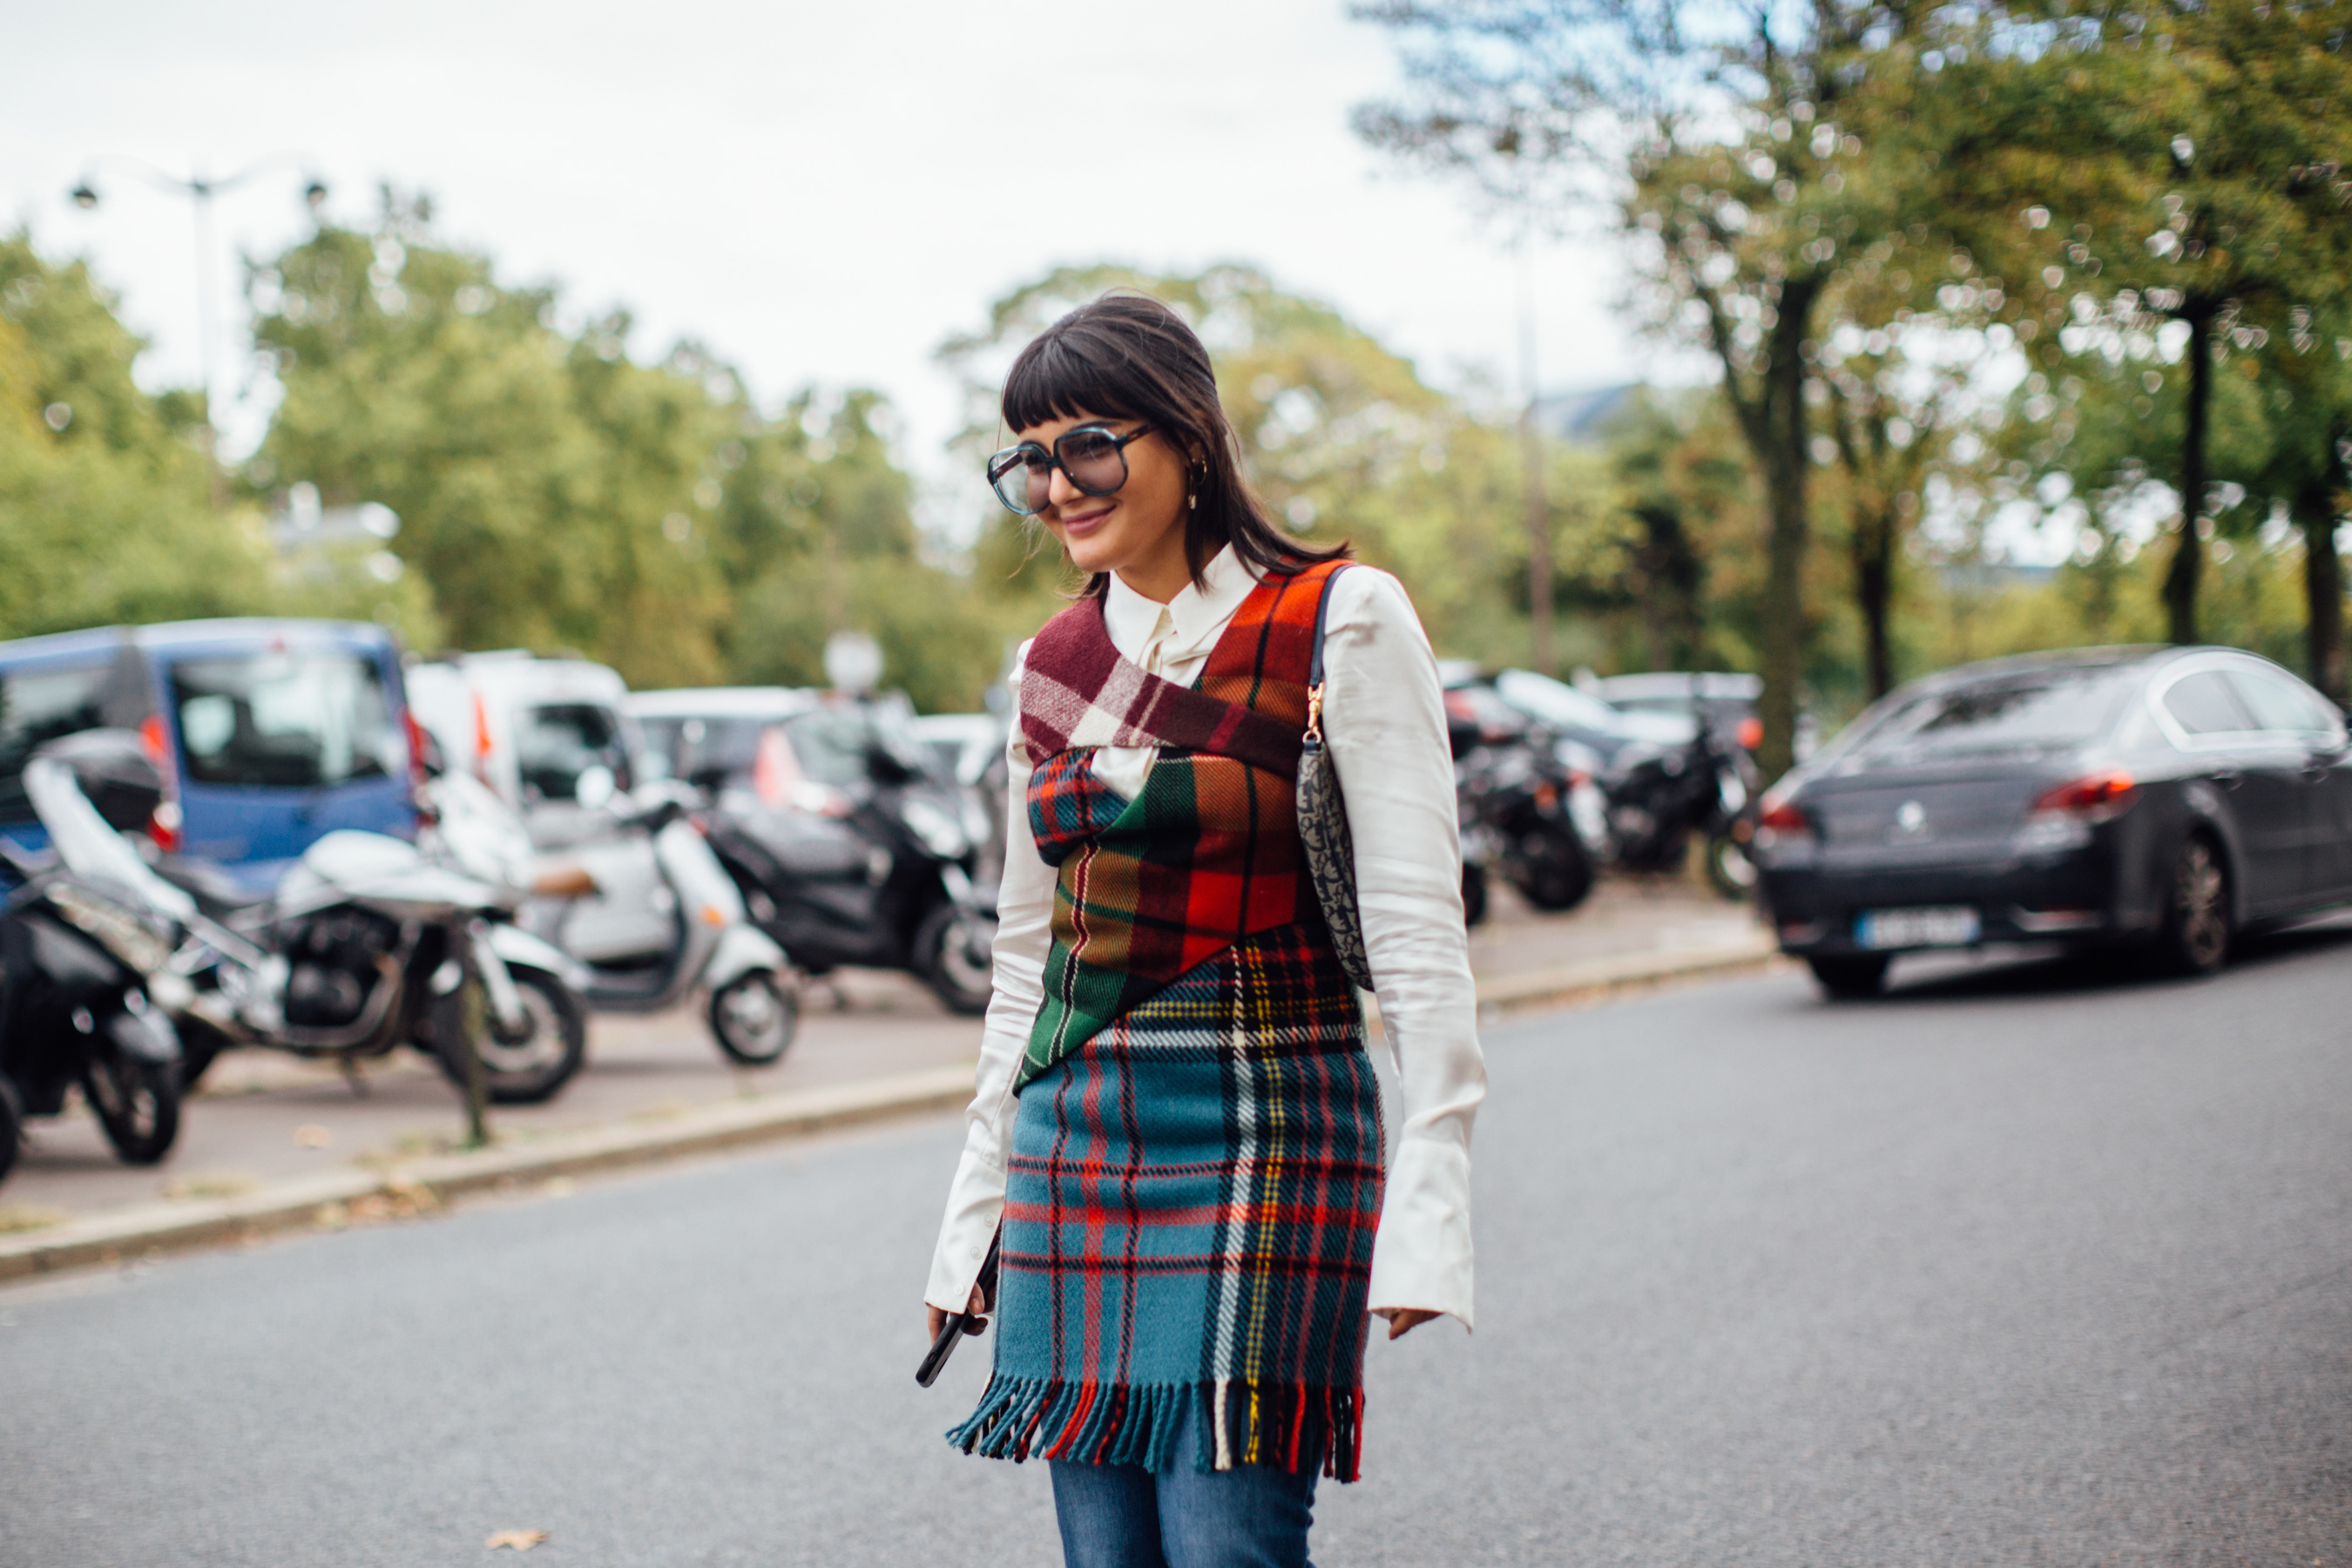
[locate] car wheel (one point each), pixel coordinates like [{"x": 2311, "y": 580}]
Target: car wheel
[
  {"x": 1850, "y": 979},
  {"x": 2196, "y": 926}
]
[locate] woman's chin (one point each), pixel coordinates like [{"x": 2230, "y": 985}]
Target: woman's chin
[{"x": 1091, "y": 555}]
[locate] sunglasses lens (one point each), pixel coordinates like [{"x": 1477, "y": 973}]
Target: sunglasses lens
[
  {"x": 1020, "y": 478},
  {"x": 1095, "y": 461}
]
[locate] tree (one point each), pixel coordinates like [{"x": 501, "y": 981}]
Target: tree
[
  {"x": 2307, "y": 410},
  {"x": 2153, "y": 160},
  {"x": 555, "y": 493},
  {"x": 105, "y": 496},
  {"x": 1759, "y": 154}
]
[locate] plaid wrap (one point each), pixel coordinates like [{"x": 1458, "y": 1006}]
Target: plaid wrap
[
  {"x": 1207, "y": 853},
  {"x": 1189, "y": 1217},
  {"x": 1196, "y": 1172}
]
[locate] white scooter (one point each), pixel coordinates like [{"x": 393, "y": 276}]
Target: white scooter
[
  {"x": 366, "y": 943},
  {"x": 646, "y": 909}
]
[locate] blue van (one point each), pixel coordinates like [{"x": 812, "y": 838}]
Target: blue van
[{"x": 270, "y": 734}]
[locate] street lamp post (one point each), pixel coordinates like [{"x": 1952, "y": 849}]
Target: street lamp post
[{"x": 200, "y": 189}]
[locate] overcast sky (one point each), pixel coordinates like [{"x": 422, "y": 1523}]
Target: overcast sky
[{"x": 822, "y": 193}]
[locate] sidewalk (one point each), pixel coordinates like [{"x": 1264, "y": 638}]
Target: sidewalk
[{"x": 270, "y": 1140}]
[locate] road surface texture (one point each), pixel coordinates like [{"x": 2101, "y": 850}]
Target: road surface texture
[{"x": 2021, "y": 1266}]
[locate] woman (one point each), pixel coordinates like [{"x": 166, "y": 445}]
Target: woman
[{"x": 1176, "y": 1124}]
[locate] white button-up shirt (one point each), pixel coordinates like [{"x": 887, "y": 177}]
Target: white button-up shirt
[{"x": 1384, "y": 722}]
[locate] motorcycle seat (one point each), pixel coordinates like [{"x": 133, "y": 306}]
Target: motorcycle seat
[{"x": 217, "y": 894}]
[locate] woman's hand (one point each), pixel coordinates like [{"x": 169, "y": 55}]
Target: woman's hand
[
  {"x": 971, "y": 1325},
  {"x": 1402, "y": 1321}
]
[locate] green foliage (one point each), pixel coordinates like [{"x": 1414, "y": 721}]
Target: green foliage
[
  {"x": 105, "y": 510},
  {"x": 554, "y": 493}
]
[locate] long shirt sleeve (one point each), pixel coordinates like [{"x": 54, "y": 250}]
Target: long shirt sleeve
[
  {"x": 1384, "y": 721},
  {"x": 1024, "y": 934}
]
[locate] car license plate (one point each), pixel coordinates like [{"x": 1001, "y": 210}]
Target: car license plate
[{"x": 1955, "y": 927}]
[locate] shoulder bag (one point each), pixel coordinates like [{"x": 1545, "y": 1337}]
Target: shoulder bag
[{"x": 1329, "y": 847}]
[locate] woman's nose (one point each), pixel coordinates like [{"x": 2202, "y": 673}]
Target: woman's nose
[{"x": 1059, "y": 490}]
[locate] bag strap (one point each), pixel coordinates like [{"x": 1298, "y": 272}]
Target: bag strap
[{"x": 1315, "y": 658}]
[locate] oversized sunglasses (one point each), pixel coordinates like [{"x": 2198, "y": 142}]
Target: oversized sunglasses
[{"x": 1094, "y": 459}]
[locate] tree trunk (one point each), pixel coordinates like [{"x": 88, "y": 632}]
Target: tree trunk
[
  {"x": 1787, "y": 451},
  {"x": 1873, "y": 588},
  {"x": 2317, "y": 510},
  {"x": 2189, "y": 554}
]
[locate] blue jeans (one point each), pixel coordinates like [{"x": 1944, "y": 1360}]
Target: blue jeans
[{"x": 1124, "y": 1516}]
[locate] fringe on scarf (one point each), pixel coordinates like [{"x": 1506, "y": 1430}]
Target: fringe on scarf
[{"x": 1287, "y": 1427}]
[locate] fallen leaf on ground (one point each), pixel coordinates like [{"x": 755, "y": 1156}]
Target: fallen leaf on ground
[
  {"x": 313, "y": 1137},
  {"x": 520, "y": 1540}
]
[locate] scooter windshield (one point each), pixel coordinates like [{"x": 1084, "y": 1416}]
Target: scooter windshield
[{"x": 92, "y": 848}]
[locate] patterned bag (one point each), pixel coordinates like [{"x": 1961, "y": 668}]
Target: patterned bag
[{"x": 1323, "y": 834}]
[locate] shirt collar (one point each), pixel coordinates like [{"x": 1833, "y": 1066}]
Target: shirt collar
[{"x": 1200, "y": 610}]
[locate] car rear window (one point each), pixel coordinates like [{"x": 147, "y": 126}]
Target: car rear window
[
  {"x": 2278, "y": 702},
  {"x": 2204, "y": 704},
  {"x": 558, "y": 741},
  {"x": 37, "y": 706},
  {"x": 2043, "y": 710},
  {"x": 291, "y": 721}
]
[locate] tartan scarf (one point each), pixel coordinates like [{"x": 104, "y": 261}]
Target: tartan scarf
[
  {"x": 1196, "y": 1170},
  {"x": 1207, "y": 853}
]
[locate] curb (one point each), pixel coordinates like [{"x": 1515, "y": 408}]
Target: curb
[
  {"x": 333, "y": 1199},
  {"x": 1603, "y": 979}
]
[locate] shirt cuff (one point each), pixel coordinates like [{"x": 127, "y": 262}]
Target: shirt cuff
[
  {"x": 975, "y": 1204},
  {"x": 1420, "y": 1258}
]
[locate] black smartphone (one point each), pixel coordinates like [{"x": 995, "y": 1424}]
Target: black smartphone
[{"x": 959, "y": 1323}]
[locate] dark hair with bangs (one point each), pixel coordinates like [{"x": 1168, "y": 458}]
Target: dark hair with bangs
[{"x": 1129, "y": 356}]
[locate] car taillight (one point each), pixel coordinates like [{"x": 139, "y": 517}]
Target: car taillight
[
  {"x": 1781, "y": 821},
  {"x": 481, "y": 741},
  {"x": 163, "y": 823},
  {"x": 1751, "y": 731},
  {"x": 415, "y": 733},
  {"x": 2096, "y": 797}
]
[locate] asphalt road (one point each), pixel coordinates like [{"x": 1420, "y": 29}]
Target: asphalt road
[{"x": 2017, "y": 1266}]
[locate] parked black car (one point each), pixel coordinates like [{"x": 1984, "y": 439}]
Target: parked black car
[{"x": 2165, "y": 799}]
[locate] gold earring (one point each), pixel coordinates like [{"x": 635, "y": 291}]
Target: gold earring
[{"x": 1193, "y": 502}]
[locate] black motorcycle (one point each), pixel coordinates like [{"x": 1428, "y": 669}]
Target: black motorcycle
[
  {"x": 881, "y": 875},
  {"x": 1660, "y": 796},
  {"x": 75, "y": 960},
  {"x": 1511, "y": 792}
]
